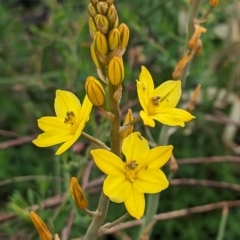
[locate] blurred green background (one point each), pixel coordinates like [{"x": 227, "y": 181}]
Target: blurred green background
[{"x": 44, "y": 46}]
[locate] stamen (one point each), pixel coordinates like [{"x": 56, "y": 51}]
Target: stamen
[
  {"x": 69, "y": 117},
  {"x": 131, "y": 165},
  {"x": 155, "y": 100}
]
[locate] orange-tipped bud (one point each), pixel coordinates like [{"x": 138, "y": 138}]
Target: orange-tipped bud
[
  {"x": 114, "y": 39},
  {"x": 92, "y": 11},
  {"x": 124, "y": 35},
  {"x": 115, "y": 70},
  {"x": 77, "y": 194},
  {"x": 213, "y": 3},
  {"x": 128, "y": 118},
  {"x": 95, "y": 91},
  {"x": 102, "y": 7},
  {"x": 102, "y": 23},
  {"x": 92, "y": 27},
  {"x": 42, "y": 229}
]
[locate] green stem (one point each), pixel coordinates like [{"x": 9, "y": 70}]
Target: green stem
[
  {"x": 115, "y": 139},
  {"x": 222, "y": 225},
  {"x": 96, "y": 141},
  {"x": 153, "y": 199},
  {"x": 193, "y": 12},
  {"x": 125, "y": 127},
  {"x": 119, "y": 220}
]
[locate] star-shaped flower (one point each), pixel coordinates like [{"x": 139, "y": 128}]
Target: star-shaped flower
[
  {"x": 159, "y": 103},
  {"x": 68, "y": 124},
  {"x": 127, "y": 181}
]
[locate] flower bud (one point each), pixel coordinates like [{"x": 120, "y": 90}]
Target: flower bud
[
  {"x": 102, "y": 7},
  {"x": 92, "y": 27},
  {"x": 115, "y": 70},
  {"x": 94, "y": 2},
  {"x": 94, "y": 57},
  {"x": 112, "y": 15},
  {"x": 128, "y": 118},
  {"x": 95, "y": 91},
  {"x": 92, "y": 11},
  {"x": 102, "y": 23},
  {"x": 77, "y": 194},
  {"x": 101, "y": 43},
  {"x": 213, "y": 3},
  {"x": 109, "y": 2},
  {"x": 42, "y": 229},
  {"x": 101, "y": 46},
  {"x": 124, "y": 35},
  {"x": 114, "y": 39}
]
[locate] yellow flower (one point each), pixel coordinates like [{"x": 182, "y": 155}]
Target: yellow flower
[
  {"x": 159, "y": 103},
  {"x": 68, "y": 124},
  {"x": 128, "y": 181}
]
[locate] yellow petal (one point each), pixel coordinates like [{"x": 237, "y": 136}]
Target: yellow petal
[
  {"x": 169, "y": 92},
  {"x": 66, "y": 101},
  {"x": 51, "y": 138},
  {"x": 135, "y": 203},
  {"x": 117, "y": 188},
  {"x": 146, "y": 119},
  {"x": 52, "y": 123},
  {"x": 142, "y": 95},
  {"x": 158, "y": 156},
  {"x": 72, "y": 140},
  {"x": 135, "y": 147},
  {"x": 85, "y": 110},
  {"x": 146, "y": 78},
  {"x": 150, "y": 181},
  {"x": 108, "y": 162},
  {"x": 174, "y": 117}
]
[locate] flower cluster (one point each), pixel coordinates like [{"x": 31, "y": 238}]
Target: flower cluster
[{"x": 131, "y": 167}]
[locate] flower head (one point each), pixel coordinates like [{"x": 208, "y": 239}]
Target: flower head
[
  {"x": 128, "y": 181},
  {"x": 68, "y": 124},
  {"x": 159, "y": 103}
]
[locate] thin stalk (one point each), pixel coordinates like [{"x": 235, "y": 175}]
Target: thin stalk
[
  {"x": 96, "y": 141},
  {"x": 115, "y": 140},
  {"x": 153, "y": 199},
  {"x": 193, "y": 12},
  {"x": 222, "y": 226}
]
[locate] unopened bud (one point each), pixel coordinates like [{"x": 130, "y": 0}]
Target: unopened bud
[
  {"x": 94, "y": 57},
  {"x": 92, "y": 27},
  {"x": 77, "y": 194},
  {"x": 101, "y": 46},
  {"x": 102, "y": 7},
  {"x": 124, "y": 35},
  {"x": 94, "y": 2},
  {"x": 101, "y": 43},
  {"x": 102, "y": 23},
  {"x": 114, "y": 39},
  {"x": 213, "y": 3},
  {"x": 128, "y": 118},
  {"x": 95, "y": 91},
  {"x": 112, "y": 15},
  {"x": 42, "y": 229},
  {"x": 92, "y": 11},
  {"x": 109, "y": 2},
  {"x": 115, "y": 70}
]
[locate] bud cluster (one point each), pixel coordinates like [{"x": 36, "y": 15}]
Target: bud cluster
[{"x": 110, "y": 40}]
